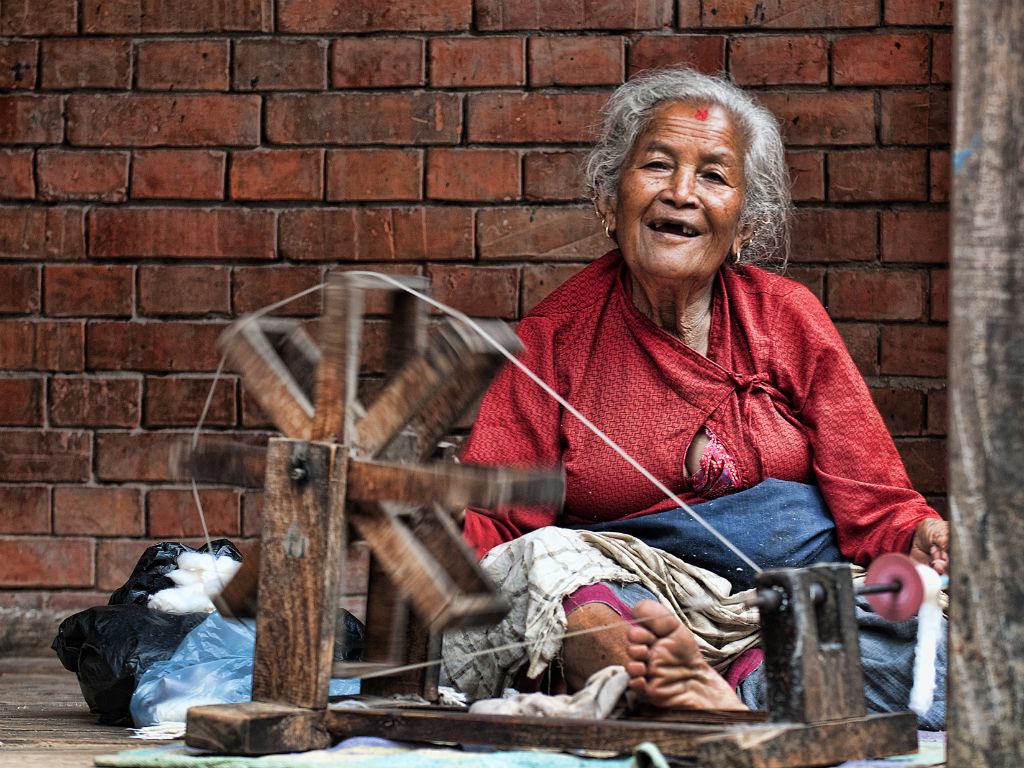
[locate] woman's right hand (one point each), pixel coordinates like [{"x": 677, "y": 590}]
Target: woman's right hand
[{"x": 930, "y": 545}]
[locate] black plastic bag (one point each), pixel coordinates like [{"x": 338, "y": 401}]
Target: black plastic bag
[
  {"x": 150, "y": 574},
  {"x": 110, "y": 646}
]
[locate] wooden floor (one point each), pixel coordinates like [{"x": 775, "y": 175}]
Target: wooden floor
[{"x": 44, "y": 721}]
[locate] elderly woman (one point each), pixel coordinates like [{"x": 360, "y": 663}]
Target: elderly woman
[{"x": 726, "y": 381}]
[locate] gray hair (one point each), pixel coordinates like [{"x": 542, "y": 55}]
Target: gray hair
[{"x": 766, "y": 204}]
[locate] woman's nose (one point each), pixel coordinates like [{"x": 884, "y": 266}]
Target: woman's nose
[{"x": 680, "y": 189}]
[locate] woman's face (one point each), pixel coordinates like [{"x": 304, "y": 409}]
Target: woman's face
[{"x": 677, "y": 212}]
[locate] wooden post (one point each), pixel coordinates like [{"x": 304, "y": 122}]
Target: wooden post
[{"x": 986, "y": 703}]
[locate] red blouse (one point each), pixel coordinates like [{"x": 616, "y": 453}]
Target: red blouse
[{"x": 778, "y": 390}]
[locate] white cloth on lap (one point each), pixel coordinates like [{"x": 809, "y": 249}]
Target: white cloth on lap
[{"x": 538, "y": 570}]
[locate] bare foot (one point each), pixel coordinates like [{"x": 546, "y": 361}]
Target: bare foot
[
  {"x": 667, "y": 668},
  {"x": 583, "y": 655}
]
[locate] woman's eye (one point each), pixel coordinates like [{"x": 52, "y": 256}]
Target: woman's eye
[
  {"x": 657, "y": 165},
  {"x": 714, "y": 176}
]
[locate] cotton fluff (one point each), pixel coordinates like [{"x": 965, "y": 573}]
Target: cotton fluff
[{"x": 199, "y": 578}]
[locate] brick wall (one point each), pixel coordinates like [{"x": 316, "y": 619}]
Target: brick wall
[{"x": 165, "y": 167}]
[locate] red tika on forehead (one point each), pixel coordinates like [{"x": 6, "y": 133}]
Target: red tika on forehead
[{"x": 702, "y": 114}]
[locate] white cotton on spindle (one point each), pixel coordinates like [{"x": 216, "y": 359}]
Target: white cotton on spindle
[{"x": 929, "y": 624}]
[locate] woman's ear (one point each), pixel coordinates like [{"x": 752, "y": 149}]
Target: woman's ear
[{"x": 605, "y": 206}]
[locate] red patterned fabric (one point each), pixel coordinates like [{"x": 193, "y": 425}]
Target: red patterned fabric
[{"x": 778, "y": 390}]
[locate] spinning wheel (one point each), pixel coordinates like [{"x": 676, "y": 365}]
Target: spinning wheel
[{"x": 343, "y": 464}]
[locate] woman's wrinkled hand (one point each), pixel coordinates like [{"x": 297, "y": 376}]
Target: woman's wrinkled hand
[{"x": 931, "y": 544}]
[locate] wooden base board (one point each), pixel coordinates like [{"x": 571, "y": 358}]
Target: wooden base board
[{"x": 715, "y": 740}]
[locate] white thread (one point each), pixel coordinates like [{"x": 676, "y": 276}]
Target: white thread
[{"x": 929, "y": 623}]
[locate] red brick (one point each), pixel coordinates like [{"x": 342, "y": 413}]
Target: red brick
[
  {"x": 18, "y": 66},
  {"x": 942, "y": 58},
  {"x": 477, "y": 291},
  {"x": 834, "y": 235},
  {"x": 541, "y": 279},
  {"x": 277, "y": 174},
  {"x": 875, "y": 295},
  {"x": 84, "y": 63},
  {"x": 920, "y": 237},
  {"x": 41, "y": 346},
  {"x": 163, "y": 120},
  {"x": 939, "y": 171},
  {"x": 137, "y": 456},
  {"x": 42, "y": 233},
  {"x": 379, "y": 302},
  {"x": 373, "y": 16},
  {"x": 153, "y": 346},
  {"x": 182, "y": 65},
  {"x": 173, "y": 513},
  {"x": 926, "y": 461},
  {"x": 807, "y": 175},
  {"x": 881, "y": 60},
  {"x": 937, "y": 412},
  {"x": 39, "y": 17},
  {"x": 940, "y": 295},
  {"x": 499, "y": 15},
  {"x": 526, "y": 118},
  {"x": 115, "y": 560},
  {"x": 252, "y": 513},
  {"x": 46, "y": 562},
  {"x": 31, "y": 119},
  {"x": 253, "y": 416},
  {"x": 812, "y": 278},
  {"x": 375, "y": 174},
  {"x": 790, "y": 14},
  {"x": 72, "y": 602},
  {"x": 902, "y": 409},
  {"x": 21, "y": 402},
  {"x": 259, "y": 287},
  {"x": 24, "y": 509},
  {"x": 914, "y": 350},
  {"x": 541, "y": 234},
  {"x": 19, "y": 289},
  {"x": 687, "y": 14},
  {"x": 34, "y": 456},
  {"x": 133, "y": 16},
  {"x": 554, "y": 175},
  {"x": 88, "y": 289},
  {"x": 861, "y": 341},
  {"x": 357, "y": 118},
  {"x": 17, "y": 181},
  {"x": 184, "y": 290},
  {"x": 779, "y": 59},
  {"x": 98, "y": 512},
  {"x": 379, "y": 234},
  {"x": 94, "y": 401},
  {"x": 702, "y": 52},
  {"x": 915, "y": 117},
  {"x": 178, "y": 401},
  {"x": 178, "y": 233},
  {"x": 576, "y": 60},
  {"x": 811, "y": 118},
  {"x": 919, "y": 12},
  {"x": 275, "y": 65},
  {"x": 473, "y": 174},
  {"x": 376, "y": 62},
  {"x": 65, "y": 175},
  {"x": 474, "y": 62},
  {"x": 178, "y": 174},
  {"x": 878, "y": 174}
]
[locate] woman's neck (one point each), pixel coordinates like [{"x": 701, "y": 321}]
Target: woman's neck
[{"x": 683, "y": 311}]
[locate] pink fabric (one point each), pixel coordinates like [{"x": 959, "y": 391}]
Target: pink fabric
[
  {"x": 597, "y": 593},
  {"x": 745, "y": 663},
  {"x": 717, "y": 475}
]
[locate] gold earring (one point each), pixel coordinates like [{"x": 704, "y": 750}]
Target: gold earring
[{"x": 607, "y": 231}]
